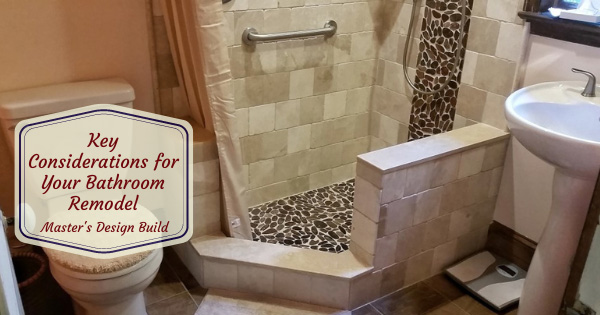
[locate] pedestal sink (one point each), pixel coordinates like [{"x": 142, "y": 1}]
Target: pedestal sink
[{"x": 559, "y": 125}]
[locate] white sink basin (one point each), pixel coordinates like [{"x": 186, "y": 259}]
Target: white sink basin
[{"x": 557, "y": 124}]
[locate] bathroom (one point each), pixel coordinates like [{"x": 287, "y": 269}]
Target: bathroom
[{"x": 323, "y": 182}]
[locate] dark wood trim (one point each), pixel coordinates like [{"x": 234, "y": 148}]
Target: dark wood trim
[
  {"x": 511, "y": 245},
  {"x": 543, "y": 24},
  {"x": 583, "y": 249}
]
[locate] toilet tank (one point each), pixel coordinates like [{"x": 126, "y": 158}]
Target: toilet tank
[{"x": 32, "y": 102}]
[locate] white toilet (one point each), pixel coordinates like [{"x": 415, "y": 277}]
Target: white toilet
[{"x": 97, "y": 286}]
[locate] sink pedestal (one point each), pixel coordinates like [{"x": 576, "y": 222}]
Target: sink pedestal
[{"x": 549, "y": 270}]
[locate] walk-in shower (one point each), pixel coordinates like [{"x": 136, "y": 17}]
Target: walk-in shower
[{"x": 316, "y": 86}]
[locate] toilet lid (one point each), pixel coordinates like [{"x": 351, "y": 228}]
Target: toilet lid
[{"x": 89, "y": 265}]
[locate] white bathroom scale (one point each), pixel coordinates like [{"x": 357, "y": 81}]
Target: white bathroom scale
[{"x": 493, "y": 279}]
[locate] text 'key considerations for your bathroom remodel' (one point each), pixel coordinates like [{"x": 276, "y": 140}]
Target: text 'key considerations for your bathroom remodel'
[{"x": 103, "y": 181}]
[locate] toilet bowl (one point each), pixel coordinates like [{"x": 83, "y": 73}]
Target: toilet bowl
[
  {"x": 97, "y": 286},
  {"x": 105, "y": 286}
]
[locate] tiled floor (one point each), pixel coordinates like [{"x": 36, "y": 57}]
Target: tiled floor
[
  {"x": 435, "y": 296},
  {"x": 319, "y": 219},
  {"x": 174, "y": 290}
]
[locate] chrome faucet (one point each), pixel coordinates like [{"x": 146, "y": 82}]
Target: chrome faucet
[{"x": 590, "y": 88}]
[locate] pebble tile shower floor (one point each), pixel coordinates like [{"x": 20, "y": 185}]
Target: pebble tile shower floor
[{"x": 318, "y": 219}]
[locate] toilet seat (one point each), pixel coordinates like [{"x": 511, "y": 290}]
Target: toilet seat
[{"x": 97, "y": 268}]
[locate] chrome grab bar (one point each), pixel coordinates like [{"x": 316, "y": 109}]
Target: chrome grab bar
[{"x": 251, "y": 36}]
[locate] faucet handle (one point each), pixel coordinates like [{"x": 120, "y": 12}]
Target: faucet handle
[{"x": 590, "y": 88}]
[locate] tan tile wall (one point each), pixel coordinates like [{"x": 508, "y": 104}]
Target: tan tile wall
[
  {"x": 169, "y": 97},
  {"x": 412, "y": 222},
  {"x": 392, "y": 97},
  {"x": 207, "y": 197},
  {"x": 302, "y": 105},
  {"x": 490, "y": 67}
]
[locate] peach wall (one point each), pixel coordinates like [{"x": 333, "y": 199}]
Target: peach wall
[{"x": 55, "y": 41}]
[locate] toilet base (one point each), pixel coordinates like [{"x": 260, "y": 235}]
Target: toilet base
[{"x": 134, "y": 305}]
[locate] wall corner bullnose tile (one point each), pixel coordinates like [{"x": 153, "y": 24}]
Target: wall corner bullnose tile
[{"x": 367, "y": 199}]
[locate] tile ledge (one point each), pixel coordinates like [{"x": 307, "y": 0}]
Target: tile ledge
[
  {"x": 407, "y": 154},
  {"x": 343, "y": 265}
]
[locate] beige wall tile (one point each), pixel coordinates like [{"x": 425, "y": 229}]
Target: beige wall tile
[
  {"x": 510, "y": 41},
  {"x": 206, "y": 177},
  {"x": 301, "y": 83},
  {"x": 468, "y": 71},
  {"x": 262, "y": 4},
  {"x": 342, "y": 45},
  {"x": 220, "y": 275},
  {"x": 261, "y": 173},
  {"x": 353, "y": 148},
  {"x": 478, "y": 188},
  {"x": 364, "y": 232},
  {"x": 207, "y": 214},
  {"x": 493, "y": 114},
  {"x": 453, "y": 196},
  {"x": 331, "y": 156},
  {"x": 286, "y": 167},
  {"x": 320, "y": 179},
  {"x": 277, "y": 20},
  {"x": 312, "y": 109},
  {"x": 255, "y": 279},
  {"x": 418, "y": 268},
  {"x": 363, "y": 46},
  {"x": 471, "y": 102},
  {"x": 261, "y": 119},
  {"x": 268, "y": 193},
  {"x": 494, "y": 155},
  {"x": 444, "y": 255},
  {"x": 418, "y": 178},
  {"x": 388, "y": 129},
  {"x": 502, "y": 80},
  {"x": 504, "y": 10},
  {"x": 393, "y": 277},
  {"x": 245, "y": 19},
  {"x": 236, "y": 5},
  {"x": 367, "y": 199},
  {"x": 365, "y": 289},
  {"x": 290, "y": 3},
  {"x": 335, "y": 105},
  {"x": 298, "y": 139},
  {"x": 495, "y": 181},
  {"x": 330, "y": 292},
  {"x": 428, "y": 205},
  {"x": 445, "y": 170},
  {"x": 409, "y": 242},
  {"x": 471, "y": 162},
  {"x": 343, "y": 173},
  {"x": 480, "y": 33},
  {"x": 276, "y": 87},
  {"x": 291, "y": 285},
  {"x": 461, "y": 222},
  {"x": 287, "y": 114},
  {"x": 436, "y": 232},
  {"x": 310, "y": 162},
  {"x": 361, "y": 254},
  {"x": 325, "y": 80},
  {"x": 385, "y": 251},
  {"x": 358, "y": 100},
  {"x": 264, "y": 146},
  {"x": 393, "y": 186},
  {"x": 399, "y": 215}
]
